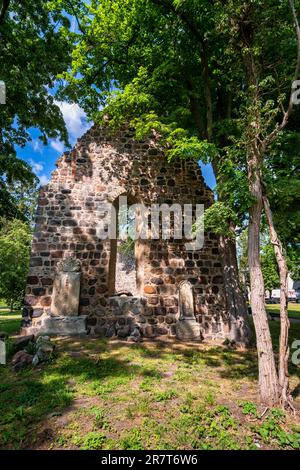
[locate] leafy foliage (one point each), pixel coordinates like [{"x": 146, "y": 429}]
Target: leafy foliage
[
  {"x": 179, "y": 69},
  {"x": 15, "y": 238},
  {"x": 35, "y": 46},
  {"x": 17, "y": 188},
  {"x": 269, "y": 267},
  {"x": 217, "y": 218}
]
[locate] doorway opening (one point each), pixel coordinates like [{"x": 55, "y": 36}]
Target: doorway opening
[{"x": 125, "y": 264}]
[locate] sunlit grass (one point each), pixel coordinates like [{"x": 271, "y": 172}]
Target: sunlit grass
[
  {"x": 294, "y": 309},
  {"x": 10, "y": 322},
  {"x": 100, "y": 394}
]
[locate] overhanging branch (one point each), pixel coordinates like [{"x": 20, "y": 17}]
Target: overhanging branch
[
  {"x": 286, "y": 115},
  {"x": 3, "y": 10}
]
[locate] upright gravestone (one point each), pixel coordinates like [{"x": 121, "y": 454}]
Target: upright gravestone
[
  {"x": 187, "y": 328},
  {"x": 64, "y": 318},
  {"x": 66, "y": 288}
]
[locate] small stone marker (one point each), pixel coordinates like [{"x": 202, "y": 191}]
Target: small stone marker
[
  {"x": 186, "y": 301},
  {"x": 64, "y": 319},
  {"x": 64, "y": 326},
  {"x": 187, "y": 328},
  {"x": 66, "y": 288}
]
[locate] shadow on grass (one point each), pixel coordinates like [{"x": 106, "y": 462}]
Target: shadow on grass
[
  {"x": 296, "y": 391},
  {"x": 25, "y": 401},
  {"x": 10, "y": 323},
  {"x": 28, "y": 397},
  {"x": 231, "y": 364}
]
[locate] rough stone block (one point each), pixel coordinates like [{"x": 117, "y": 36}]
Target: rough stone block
[
  {"x": 22, "y": 341},
  {"x": 64, "y": 326},
  {"x": 65, "y": 297},
  {"x": 188, "y": 330}
]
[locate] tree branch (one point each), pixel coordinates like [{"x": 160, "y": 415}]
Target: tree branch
[
  {"x": 185, "y": 17},
  {"x": 280, "y": 126},
  {"x": 195, "y": 110},
  {"x": 187, "y": 20},
  {"x": 4, "y": 7},
  {"x": 80, "y": 27}
]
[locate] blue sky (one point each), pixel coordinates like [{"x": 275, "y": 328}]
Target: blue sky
[
  {"x": 42, "y": 158},
  {"x": 208, "y": 175}
]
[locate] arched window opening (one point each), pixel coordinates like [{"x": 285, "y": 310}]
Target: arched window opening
[{"x": 125, "y": 255}]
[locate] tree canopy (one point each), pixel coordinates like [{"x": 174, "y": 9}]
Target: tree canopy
[
  {"x": 181, "y": 68},
  {"x": 213, "y": 79},
  {"x": 35, "y": 47}
]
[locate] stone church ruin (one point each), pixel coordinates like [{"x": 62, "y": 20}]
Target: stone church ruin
[{"x": 73, "y": 285}]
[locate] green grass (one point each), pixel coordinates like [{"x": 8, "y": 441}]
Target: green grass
[
  {"x": 294, "y": 332},
  {"x": 154, "y": 395},
  {"x": 294, "y": 309},
  {"x": 10, "y": 322},
  {"x": 100, "y": 394}
]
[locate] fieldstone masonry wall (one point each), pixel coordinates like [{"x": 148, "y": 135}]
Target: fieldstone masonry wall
[{"x": 71, "y": 212}]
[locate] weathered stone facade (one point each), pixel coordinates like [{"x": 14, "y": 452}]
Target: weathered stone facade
[{"x": 99, "y": 169}]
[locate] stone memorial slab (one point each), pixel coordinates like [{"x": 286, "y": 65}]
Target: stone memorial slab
[
  {"x": 186, "y": 301},
  {"x": 64, "y": 326},
  {"x": 66, "y": 288},
  {"x": 187, "y": 328}
]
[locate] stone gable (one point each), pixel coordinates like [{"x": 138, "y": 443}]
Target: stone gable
[{"x": 71, "y": 212}]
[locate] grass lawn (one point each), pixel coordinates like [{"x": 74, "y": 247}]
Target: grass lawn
[
  {"x": 9, "y": 321},
  {"x": 100, "y": 394},
  {"x": 294, "y": 309}
]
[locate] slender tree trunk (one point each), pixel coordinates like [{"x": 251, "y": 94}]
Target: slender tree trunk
[
  {"x": 268, "y": 378},
  {"x": 284, "y": 350},
  {"x": 235, "y": 299},
  {"x": 207, "y": 93},
  {"x": 3, "y": 9}
]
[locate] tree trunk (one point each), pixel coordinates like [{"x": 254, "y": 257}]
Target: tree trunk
[
  {"x": 268, "y": 379},
  {"x": 4, "y": 7},
  {"x": 235, "y": 299},
  {"x": 284, "y": 350}
]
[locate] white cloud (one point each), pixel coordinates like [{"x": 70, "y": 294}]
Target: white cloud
[
  {"x": 37, "y": 145},
  {"x": 43, "y": 179},
  {"x": 75, "y": 119},
  {"x": 76, "y": 123},
  {"x": 36, "y": 166},
  {"x": 57, "y": 145}
]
